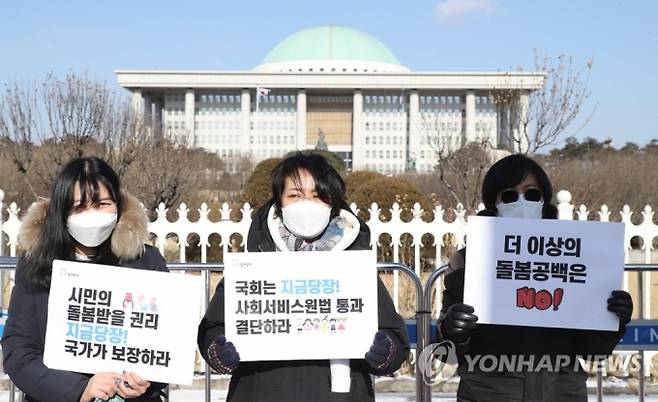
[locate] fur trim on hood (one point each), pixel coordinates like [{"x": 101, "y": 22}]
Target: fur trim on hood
[
  {"x": 128, "y": 237},
  {"x": 350, "y": 235}
]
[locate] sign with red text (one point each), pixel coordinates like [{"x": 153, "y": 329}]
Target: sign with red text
[
  {"x": 301, "y": 305},
  {"x": 543, "y": 273},
  {"x": 105, "y": 318}
]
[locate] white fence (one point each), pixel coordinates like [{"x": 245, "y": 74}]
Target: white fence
[{"x": 416, "y": 228}]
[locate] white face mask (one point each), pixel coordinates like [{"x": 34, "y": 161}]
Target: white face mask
[
  {"x": 521, "y": 208},
  {"x": 306, "y": 219},
  {"x": 92, "y": 228}
]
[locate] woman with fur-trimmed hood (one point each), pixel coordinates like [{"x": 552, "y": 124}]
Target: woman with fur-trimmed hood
[
  {"x": 307, "y": 213},
  {"x": 88, "y": 219}
]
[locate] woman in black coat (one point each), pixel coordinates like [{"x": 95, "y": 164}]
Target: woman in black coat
[
  {"x": 318, "y": 220},
  {"x": 88, "y": 219},
  {"x": 516, "y": 186}
]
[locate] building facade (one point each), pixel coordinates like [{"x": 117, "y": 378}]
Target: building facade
[{"x": 337, "y": 87}]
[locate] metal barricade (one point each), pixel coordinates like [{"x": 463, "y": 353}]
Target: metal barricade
[
  {"x": 206, "y": 269},
  {"x": 422, "y": 317},
  {"x": 638, "y": 305},
  {"x": 426, "y": 394}
]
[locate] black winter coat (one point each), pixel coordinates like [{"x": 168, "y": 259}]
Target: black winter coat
[
  {"x": 308, "y": 380},
  {"x": 565, "y": 385},
  {"x": 24, "y": 340}
]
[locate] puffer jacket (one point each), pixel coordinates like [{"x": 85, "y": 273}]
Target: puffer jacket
[
  {"x": 25, "y": 330},
  {"x": 307, "y": 380}
]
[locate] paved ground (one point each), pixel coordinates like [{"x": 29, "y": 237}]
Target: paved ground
[
  {"x": 220, "y": 396},
  {"x": 197, "y": 396}
]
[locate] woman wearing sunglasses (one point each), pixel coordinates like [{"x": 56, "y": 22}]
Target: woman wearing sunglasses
[{"x": 516, "y": 186}]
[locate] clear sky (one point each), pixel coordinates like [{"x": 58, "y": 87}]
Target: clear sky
[{"x": 99, "y": 36}]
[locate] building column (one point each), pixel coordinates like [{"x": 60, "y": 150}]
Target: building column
[
  {"x": 470, "y": 117},
  {"x": 415, "y": 130},
  {"x": 522, "y": 142},
  {"x": 148, "y": 109},
  {"x": 245, "y": 126},
  {"x": 506, "y": 127},
  {"x": 358, "y": 141},
  {"x": 137, "y": 102},
  {"x": 300, "y": 142},
  {"x": 189, "y": 117},
  {"x": 158, "y": 125}
]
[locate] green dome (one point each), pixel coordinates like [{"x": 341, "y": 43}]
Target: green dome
[{"x": 330, "y": 43}]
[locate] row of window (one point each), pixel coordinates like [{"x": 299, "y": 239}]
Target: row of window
[
  {"x": 273, "y": 125},
  {"x": 441, "y": 125},
  {"x": 270, "y": 153},
  {"x": 440, "y": 100},
  {"x": 234, "y": 139},
  {"x": 388, "y": 154},
  {"x": 388, "y": 126},
  {"x": 217, "y": 139},
  {"x": 272, "y": 139},
  {"x": 368, "y": 99},
  {"x": 387, "y": 168},
  {"x": 429, "y": 154},
  {"x": 289, "y": 111},
  {"x": 388, "y": 112},
  {"x": 176, "y": 125},
  {"x": 329, "y": 99},
  {"x": 383, "y": 99},
  {"x": 235, "y": 125},
  {"x": 217, "y": 111},
  {"x": 217, "y": 125},
  {"x": 217, "y": 98},
  {"x": 388, "y": 140}
]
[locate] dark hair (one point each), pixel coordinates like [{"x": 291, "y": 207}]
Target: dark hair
[
  {"x": 328, "y": 183},
  {"x": 54, "y": 241},
  {"x": 509, "y": 172}
]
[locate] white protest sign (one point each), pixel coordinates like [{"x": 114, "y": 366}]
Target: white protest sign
[
  {"x": 301, "y": 305},
  {"x": 543, "y": 273},
  {"x": 104, "y": 318}
]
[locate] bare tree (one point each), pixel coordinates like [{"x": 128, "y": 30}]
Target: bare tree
[
  {"x": 18, "y": 126},
  {"x": 552, "y": 108},
  {"x": 44, "y": 126},
  {"x": 169, "y": 174},
  {"x": 460, "y": 166}
]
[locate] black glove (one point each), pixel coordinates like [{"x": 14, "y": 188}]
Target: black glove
[
  {"x": 458, "y": 322},
  {"x": 222, "y": 356},
  {"x": 621, "y": 304},
  {"x": 381, "y": 352}
]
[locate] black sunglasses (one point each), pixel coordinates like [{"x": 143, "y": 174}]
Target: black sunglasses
[{"x": 531, "y": 194}]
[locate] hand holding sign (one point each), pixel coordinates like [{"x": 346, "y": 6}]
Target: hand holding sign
[
  {"x": 102, "y": 386},
  {"x": 621, "y": 304},
  {"x": 132, "y": 386},
  {"x": 458, "y": 323},
  {"x": 381, "y": 352},
  {"x": 223, "y": 356}
]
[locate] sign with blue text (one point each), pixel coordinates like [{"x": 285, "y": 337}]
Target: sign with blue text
[
  {"x": 301, "y": 305},
  {"x": 104, "y": 318}
]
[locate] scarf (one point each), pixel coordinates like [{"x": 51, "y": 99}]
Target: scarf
[{"x": 326, "y": 242}]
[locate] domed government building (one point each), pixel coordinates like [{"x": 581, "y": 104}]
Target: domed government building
[{"x": 336, "y": 87}]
